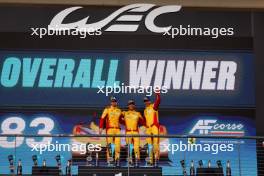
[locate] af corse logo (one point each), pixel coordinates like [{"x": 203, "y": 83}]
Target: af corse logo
[{"x": 210, "y": 126}]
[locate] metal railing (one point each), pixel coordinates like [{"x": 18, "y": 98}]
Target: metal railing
[{"x": 244, "y": 155}]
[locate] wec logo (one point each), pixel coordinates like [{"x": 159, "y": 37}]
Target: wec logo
[
  {"x": 133, "y": 14},
  {"x": 214, "y": 128}
]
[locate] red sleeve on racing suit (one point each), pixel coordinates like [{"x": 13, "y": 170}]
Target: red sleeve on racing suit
[
  {"x": 155, "y": 122},
  {"x": 121, "y": 119},
  {"x": 78, "y": 129},
  {"x": 102, "y": 121},
  {"x": 157, "y": 102},
  {"x": 142, "y": 121},
  {"x": 103, "y": 118},
  {"x": 156, "y": 107}
]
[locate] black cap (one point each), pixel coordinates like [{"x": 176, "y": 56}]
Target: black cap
[
  {"x": 131, "y": 102},
  {"x": 113, "y": 99},
  {"x": 146, "y": 99}
]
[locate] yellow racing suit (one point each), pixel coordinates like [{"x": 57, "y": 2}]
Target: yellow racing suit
[
  {"x": 152, "y": 126},
  {"x": 132, "y": 119},
  {"x": 112, "y": 116}
]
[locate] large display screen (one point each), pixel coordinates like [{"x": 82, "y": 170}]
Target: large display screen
[
  {"x": 74, "y": 78},
  {"x": 208, "y": 93}
]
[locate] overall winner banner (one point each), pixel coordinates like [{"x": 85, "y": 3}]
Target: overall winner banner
[{"x": 196, "y": 78}]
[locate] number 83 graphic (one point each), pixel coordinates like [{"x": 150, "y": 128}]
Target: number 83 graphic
[{"x": 19, "y": 127}]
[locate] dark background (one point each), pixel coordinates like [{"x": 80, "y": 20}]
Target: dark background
[
  {"x": 258, "y": 25},
  {"x": 16, "y": 21}
]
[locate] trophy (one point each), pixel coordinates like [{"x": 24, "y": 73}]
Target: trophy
[
  {"x": 111, "y": 149},
  {"x": 149, "y": 149},
  {"x": 96, "y": 159},
  {"x": 200, "y": 162},
  {"x": 209, "y": 163},
  {"x": 184, "y": 172},
  {"x": 11, "y": 164},
  {"x": 58, "y": 160},
  {"x": 117, "y": 162},
  {"x": 68, "y": 167},
  {"x": 44, "y": 163},
  {"x": 228, "y": 168},
  {"x": 136, "y": 160},
  {"x": 131, "y": 148},
  {"x": 156, "y": 160},
  {"x": 89, "y": 157},
  {"x": 219, "y": 164},
  {"x": 192, "y": 170},
  {"x": 35, "y": 160},
  {"x": 19, "y": 167},
  {"x": 130, "y": 154}
]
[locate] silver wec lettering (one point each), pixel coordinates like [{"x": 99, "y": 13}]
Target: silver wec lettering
[{"x": 122, "y": 15}]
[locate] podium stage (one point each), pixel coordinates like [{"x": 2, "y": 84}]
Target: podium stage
[
  {"x": 40, "y": 170},
  {"x": 119, "y": 171}
]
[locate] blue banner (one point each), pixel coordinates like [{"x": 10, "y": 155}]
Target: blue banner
[
  {"x": 73, "y": 78},
  {"x": 172, "y": 151}
]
